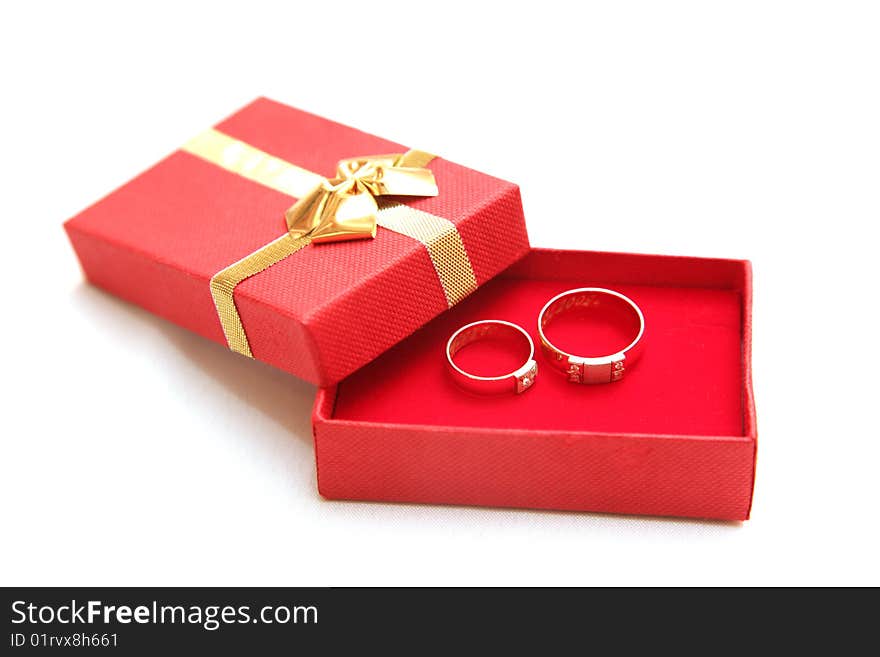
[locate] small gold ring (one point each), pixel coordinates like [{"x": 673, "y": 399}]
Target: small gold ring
[{"x": 520, "y": 380}]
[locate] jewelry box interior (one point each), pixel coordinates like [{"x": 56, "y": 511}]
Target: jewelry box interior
[{"x": 689, "y": 379}]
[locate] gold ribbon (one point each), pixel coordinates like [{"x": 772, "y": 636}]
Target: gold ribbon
[{"x": 328, "y": 210}]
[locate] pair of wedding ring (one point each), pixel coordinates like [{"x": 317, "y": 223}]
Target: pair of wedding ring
[{"x": 578, "y": 369}]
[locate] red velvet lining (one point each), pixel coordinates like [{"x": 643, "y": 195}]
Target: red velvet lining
[{"x": 687, "y": 381}]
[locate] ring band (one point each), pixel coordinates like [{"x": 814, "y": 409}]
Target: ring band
[
  {"x": 580, "y": 369},
  {"x": 517, "y": 381}
]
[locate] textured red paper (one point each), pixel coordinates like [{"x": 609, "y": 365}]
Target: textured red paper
[
  {"x": 676, "y": 437},
  {"x": 324, "y": 311}
]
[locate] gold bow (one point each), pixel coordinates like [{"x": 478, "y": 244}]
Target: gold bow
[{"x": 345, "y": 207}]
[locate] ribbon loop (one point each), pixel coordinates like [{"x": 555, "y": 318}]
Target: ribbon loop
[{"x": 345, "y": 207}]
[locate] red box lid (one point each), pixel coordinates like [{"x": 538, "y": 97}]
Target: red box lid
[{"x": 322, "y": 312}]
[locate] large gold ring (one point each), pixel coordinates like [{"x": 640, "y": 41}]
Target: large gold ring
[{"x": 602, "y": 369}]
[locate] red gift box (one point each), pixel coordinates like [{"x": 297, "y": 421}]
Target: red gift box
[
  {"x": 676, "y": 437},
  {"x": 323, "y": 311}
]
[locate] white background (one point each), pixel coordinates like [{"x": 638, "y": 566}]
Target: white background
[{"x": 136, "y": 453}]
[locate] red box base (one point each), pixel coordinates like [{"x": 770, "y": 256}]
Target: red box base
[{"x": 676, "y": 437}]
